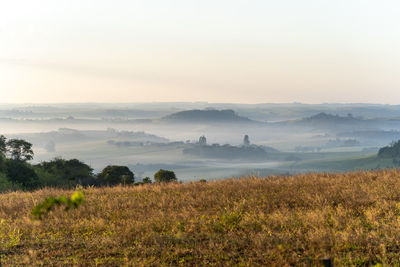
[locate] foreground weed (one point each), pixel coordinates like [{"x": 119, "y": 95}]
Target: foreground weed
[
  {"x": 76, "y": 199},
  {"x": 10, "y": 237}
]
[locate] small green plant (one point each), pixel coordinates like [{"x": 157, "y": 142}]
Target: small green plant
[{"x": 76, "y": 199}]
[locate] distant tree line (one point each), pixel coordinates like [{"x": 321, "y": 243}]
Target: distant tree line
[
  {"x": 139, "y": 143},
  {"x": 17, "y": 173},
  {"x": 245, "y": 151},
  {"x": 342, "y": 143}
]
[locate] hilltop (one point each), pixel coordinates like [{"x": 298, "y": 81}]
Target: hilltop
[
  {"x": 279, "y": 221},
  {"x": 207, "y": 115},
  {"x": 324, "y": 119},
  {"x": 322, "y": 116}
]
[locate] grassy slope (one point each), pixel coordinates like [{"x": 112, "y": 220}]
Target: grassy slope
[
  {"x": 354, "y": 217},
  {"x": 343, "y": 165}
]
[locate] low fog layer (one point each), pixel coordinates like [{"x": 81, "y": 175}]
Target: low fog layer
[{"x": 206, "y": 141}]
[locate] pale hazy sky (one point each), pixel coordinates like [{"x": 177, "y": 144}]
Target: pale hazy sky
[{"x": 252, "y": 51}]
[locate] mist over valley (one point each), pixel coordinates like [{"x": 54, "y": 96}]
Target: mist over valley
[{"x": 282, "y": 138}]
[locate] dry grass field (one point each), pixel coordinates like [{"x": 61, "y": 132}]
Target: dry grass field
[{"x": 279, "y": 221}]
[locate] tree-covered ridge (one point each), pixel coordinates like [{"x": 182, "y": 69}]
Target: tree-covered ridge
[{"x": 392, "y": 151}]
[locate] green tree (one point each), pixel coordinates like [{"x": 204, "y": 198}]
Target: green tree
[
  {"x": 77, "y": 170},
  {"x": 3, "y": 145},
  {"x": 21, "y": 173},
  {"x": 113, "y": 175},
  {"x": 65, "y": 172},
  {"x": 164, "y": 176},
  {"x": 3, "y": 161},
  {"x": 7, "y": 185},
  {"x": 20, "y": 149}
]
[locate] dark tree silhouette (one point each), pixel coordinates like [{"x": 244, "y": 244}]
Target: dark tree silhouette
[
  {"x": 3, "y": 145},
  {"x": 246, "y": 140},
  {"x": 202, "y": 140},
  {"x": 22, "y": 173},
  {"x": 20, "y": 150}
]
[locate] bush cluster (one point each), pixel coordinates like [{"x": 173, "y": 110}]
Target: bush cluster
[{"x": 17, "y": 173}]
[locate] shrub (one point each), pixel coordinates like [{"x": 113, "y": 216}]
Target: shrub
[
  {"x": 147, "y": 180},
  {"x": 6, "y": 185},
  {"x": 164, "y": 176}
]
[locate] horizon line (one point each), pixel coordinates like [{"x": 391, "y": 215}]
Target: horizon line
[{"x": 196, "y": 102}]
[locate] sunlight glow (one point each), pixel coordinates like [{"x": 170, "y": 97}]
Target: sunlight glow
[{"x": 218, "y": 51}]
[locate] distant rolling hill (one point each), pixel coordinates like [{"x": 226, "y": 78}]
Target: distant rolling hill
[
  {"x": 324, "y": 118},
  {"x": 202, "y": 116},
  {"x": 334, "y": 123}
]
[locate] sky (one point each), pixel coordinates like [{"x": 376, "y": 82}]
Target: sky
[{"x": 258, "y": 51}]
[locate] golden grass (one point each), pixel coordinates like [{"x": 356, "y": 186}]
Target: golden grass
[{"x": 280, "y": 221}]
